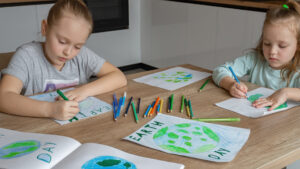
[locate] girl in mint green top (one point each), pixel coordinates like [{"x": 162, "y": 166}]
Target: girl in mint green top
[{"x": 274, "y": 63}]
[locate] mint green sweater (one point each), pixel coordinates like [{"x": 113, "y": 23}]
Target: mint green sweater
[{"x": 259, "y": 72}]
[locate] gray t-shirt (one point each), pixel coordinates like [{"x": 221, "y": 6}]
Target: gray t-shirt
[{"x": 30, "y": 65}]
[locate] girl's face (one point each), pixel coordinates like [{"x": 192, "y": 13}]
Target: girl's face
[
  {"x": 279, "y": 45},
  {"x": 64, "y": 39}
]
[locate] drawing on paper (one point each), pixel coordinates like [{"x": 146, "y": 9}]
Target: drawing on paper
[
  {"x": 108, "y": 162},
  {"x": 177, "y": 77},
  {"x": 89, "y": 107},
  {"x": 190, "y": 138},
  {"x": 173, "y": 78},
  {"x": 254, "y": 97},
  {"x": 18, "y": 149}
]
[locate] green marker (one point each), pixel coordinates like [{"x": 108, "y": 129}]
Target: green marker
[
  {"x": 191, "y": 110},
  {"x": 65, "y": 98},
  {"x": 134, "y": 112},
  {"x": 172, "y": 100},
  {"x": 218, "y": 120},
  {"x": 204, "y": 84},
  {"x": 182, "y": 103},
  {"x": 285, "y": 6},
  {"x": 61, "y": 94}
]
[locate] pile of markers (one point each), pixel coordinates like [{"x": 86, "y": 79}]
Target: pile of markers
[
  {"x": 188, "y": 107},
  {"x": 154, "y": 107},
  {"x": 157, "y": 106},
  {"x": 118, "y": 106}
]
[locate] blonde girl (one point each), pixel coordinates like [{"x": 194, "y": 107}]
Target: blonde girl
[
  {"x": 59, "y": 62},
  {"x": 273, "y": 64}
]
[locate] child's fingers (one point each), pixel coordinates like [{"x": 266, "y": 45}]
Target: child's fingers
[
  {"x": 261, "y": 103},
  {"x": 273, "y": 106},
  {"x": 70, "y": 113},
  {"x": 238, "y": 93},
  {"x": 242, "y": 87}
]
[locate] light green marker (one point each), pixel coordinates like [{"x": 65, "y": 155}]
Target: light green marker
[
  {"x": 218, "y": 120},
  {"x": 182, "y": 103}
]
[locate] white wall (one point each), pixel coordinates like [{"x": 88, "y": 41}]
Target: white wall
[
  {"x": 21, "y": 24},
  {"x": 175, "y": 33},
  {"x": 161, "y": 33}
]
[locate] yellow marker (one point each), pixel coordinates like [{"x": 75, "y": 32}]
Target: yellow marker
[
  {"x": 188, "y": 111},
  {"x": 187, "y": 108},
  {"x": 161, "y": 105},
  {"x": 148, "y": 115}
]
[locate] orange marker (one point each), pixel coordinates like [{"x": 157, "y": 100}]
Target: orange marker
[{"x": 154, "y": 107}]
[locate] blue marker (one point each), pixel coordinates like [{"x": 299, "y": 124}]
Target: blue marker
[
  {"x": 149, "y": 107},
  {"x": 125, "y": 114},
  {"x": 115, "y": 105},
  {"x": 236, "y": 79},
  {"x": 119, "y": 107},
  {"x": 124, "y": 98}
]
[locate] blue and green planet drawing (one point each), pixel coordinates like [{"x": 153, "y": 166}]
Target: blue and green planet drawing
[
  {"x": 187, "y": 138},
  {"x": 254, "y": 97},
  {"x": 108, "y": 162},
  {"x": 18, "y": 149},
  {"x": 174, "y": 77}
]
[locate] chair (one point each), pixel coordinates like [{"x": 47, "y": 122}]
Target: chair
[{"x": 4, "y": 59}]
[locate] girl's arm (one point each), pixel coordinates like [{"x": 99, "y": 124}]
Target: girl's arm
[
  {"x": 109, "y": 78},
  {"x": 235, "y": 89},
  {"x": 12, "y": 102}
]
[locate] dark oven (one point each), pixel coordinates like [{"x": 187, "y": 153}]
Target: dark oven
[{"x": 109, "y": 15}]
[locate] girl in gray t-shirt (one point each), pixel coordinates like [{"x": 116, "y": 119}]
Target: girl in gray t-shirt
[{"x": 59, "y": 62}]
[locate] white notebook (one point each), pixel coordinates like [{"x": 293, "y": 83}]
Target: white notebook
[{"x": 21, "y": 150}]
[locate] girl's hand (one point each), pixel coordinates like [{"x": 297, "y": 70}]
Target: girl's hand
[
  {"x": 64, "y": 110},
  {"x": 75, "y": 95},
  {"x": 275, "y": 100},
  {"x": 238, "y": 90}
]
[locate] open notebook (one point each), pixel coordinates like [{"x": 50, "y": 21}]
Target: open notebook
[
  {"x": 244, "y": 106},
  {"x": 21, "y": 150},
  {"x": 90, "y": 106}
]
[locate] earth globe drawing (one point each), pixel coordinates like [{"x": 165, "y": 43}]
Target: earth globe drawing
[
  {"x": 174, "y": 77},
  {"x": 186, "y": 138},
  {"x": 108, "y": 162},
  {"x": 254, "y": 97},
  {"x": 18, "y": 149}
]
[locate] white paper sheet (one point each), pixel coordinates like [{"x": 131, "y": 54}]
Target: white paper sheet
[
  {"x": 244, "y": 106},
  {"x": 173, "y": 78},
  {"x": 191, "y": 138},
  {"x": 91, "y": 106}
]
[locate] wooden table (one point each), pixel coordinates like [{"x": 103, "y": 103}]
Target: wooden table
[{"x": 274, "y": 140}]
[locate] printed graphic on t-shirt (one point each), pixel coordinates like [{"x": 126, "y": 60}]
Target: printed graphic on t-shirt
[{"x": 53, "y": 84}]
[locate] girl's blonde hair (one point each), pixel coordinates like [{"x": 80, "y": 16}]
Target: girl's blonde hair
[
  {"x": 291, "y": 17},
  {"x": 77, "y": 7}
]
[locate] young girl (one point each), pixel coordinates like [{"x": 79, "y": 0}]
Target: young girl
[
  {"x": 61, "y": 61},
  {"x": 273, "y": 64}
]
